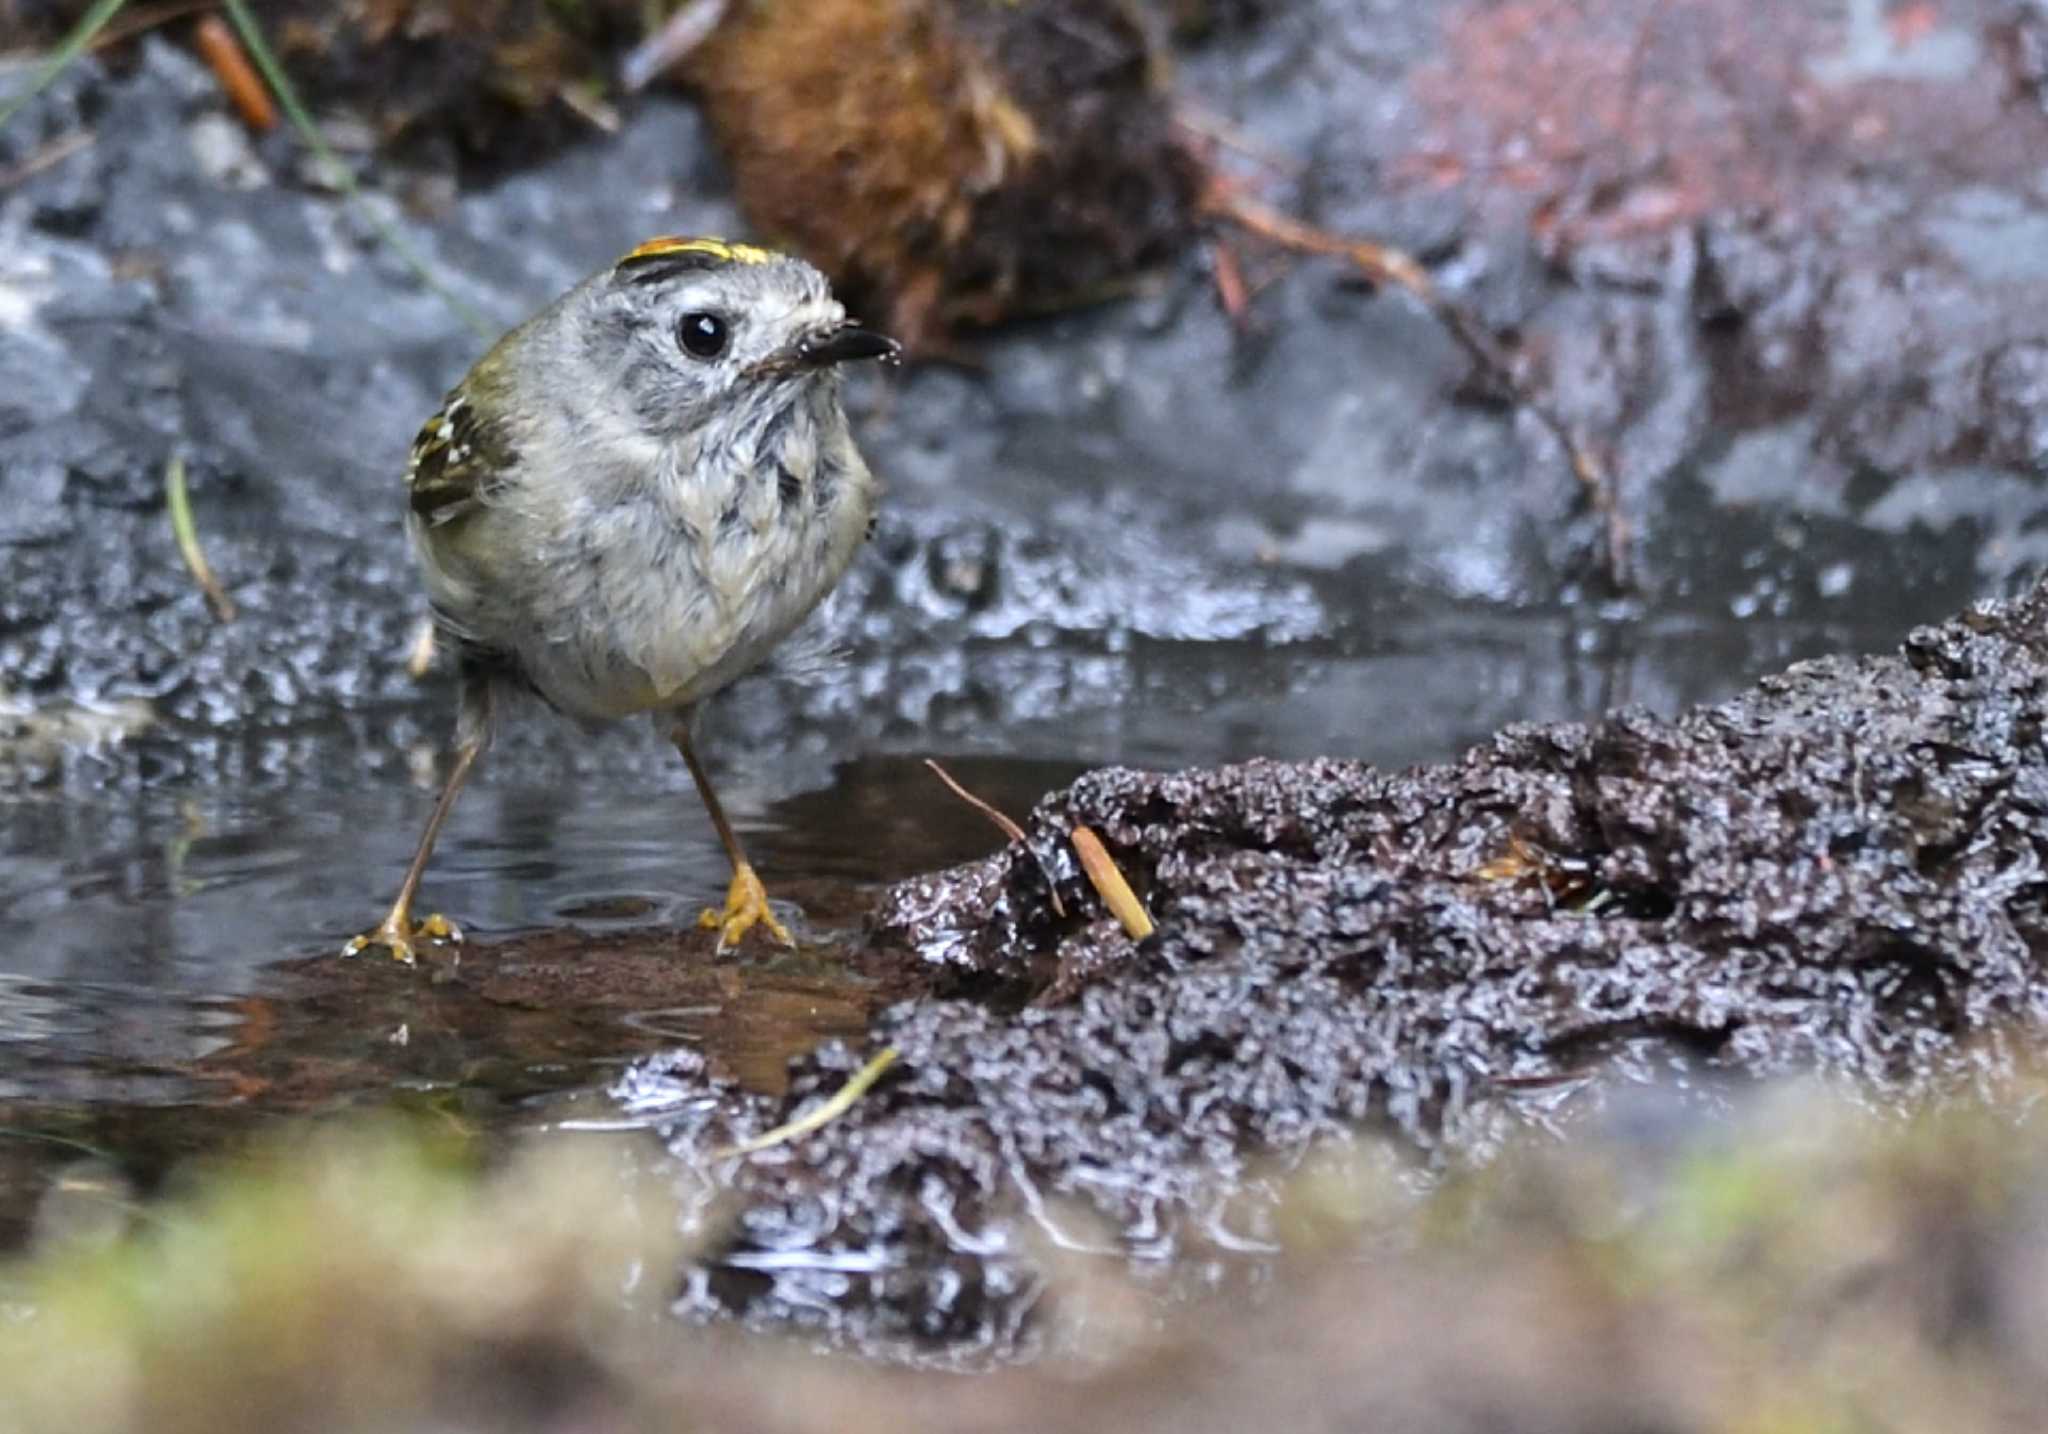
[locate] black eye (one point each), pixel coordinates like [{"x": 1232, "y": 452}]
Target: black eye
[{"x": 701, "y": 335}]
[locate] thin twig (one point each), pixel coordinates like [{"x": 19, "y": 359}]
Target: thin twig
[
  {"x": 338, "y": 172},
  {"x": 1004, "y": 824},
  {"x": 187, "y": 534},
  {"x": 1388, "y": 265},
  {"x": 841, "y": 1101},
  {"x": 140, "y": 19},
  {"x": 1110, "y": 885},
  {"x": 1003, "y": 821},
  {"x": 1231, "y": 291},
  {"x": 72, "y": 46},
  {"x": 55, "y": 152},
  {"x": 1223, "y": 133}
]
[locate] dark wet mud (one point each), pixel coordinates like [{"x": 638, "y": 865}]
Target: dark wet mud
[{"x": 1838, "y": 870}]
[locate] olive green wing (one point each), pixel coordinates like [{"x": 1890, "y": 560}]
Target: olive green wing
[{"x": 459, "y": 457}]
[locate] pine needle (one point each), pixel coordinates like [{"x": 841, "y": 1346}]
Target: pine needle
[
  {"x": 244, "y": 88},
  {"x": 831, "y": 1110},
  {"x": 1110, "y": 885}
]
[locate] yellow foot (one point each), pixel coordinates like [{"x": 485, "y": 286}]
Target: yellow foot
[
  {"x": 746, "y": 904},
  {"x": 394, "y": 936}
]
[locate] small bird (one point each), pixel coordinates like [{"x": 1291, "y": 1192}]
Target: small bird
[{"x": 630, "y": 500}]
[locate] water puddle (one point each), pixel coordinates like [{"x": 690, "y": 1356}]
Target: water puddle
[
  {"x": 172, "y": 981},
  {"x": 171, "y": 984}
]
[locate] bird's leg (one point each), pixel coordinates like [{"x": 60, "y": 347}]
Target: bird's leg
[
  {"x": 399, "y": 931},
  {"x": 746, "y": 900}
]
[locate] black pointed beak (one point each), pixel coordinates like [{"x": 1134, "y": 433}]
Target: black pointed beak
[
  {"x": 845, "y": 344},
  {"x": 825, "y": 348}
]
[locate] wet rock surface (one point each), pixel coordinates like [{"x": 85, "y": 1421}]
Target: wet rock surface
[
  {"x": 1812, "y": 357},
  {"x": 1840, "y": 869},
  {"x": 252, "y": 327}
]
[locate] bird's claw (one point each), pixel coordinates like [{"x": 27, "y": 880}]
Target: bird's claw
[
  {"x": 746, "y": 905},
  {"x": 399, "y": 932}
]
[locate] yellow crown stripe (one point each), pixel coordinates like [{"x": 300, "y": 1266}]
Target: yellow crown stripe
[{"x": 669, "y": 245}]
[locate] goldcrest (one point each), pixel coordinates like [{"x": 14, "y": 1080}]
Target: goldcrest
[{"x": 630, "y": 500}]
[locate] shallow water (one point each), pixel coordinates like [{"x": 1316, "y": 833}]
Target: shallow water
[{"x": 171, "y": 980}]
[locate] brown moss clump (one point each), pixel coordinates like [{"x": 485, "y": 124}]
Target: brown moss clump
[
  {"x": 500, "y": 78},
  {"x": 951, "y": 161}
]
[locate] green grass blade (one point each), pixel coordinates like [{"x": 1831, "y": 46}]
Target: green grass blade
[
  {"x": 338, "y": 172},
  {"x": 841, "y": 1102},
  {"x": 89, "y": 25},
  {"x": 186, "y": 531}
]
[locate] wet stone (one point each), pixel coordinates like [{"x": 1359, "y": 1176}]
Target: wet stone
[
  {"x": 1700, "y": 298},
  {"x": 1840, "y": 869}
]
